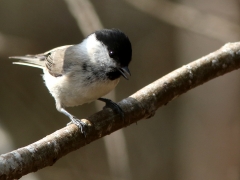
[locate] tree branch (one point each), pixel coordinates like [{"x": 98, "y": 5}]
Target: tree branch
[{"x": 140, "y": 105}]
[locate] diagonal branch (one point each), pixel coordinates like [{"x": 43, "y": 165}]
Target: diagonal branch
[{"x": 140, "y": 105}]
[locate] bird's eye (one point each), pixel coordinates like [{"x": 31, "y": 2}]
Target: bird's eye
[{"x": 111, "y": 54}]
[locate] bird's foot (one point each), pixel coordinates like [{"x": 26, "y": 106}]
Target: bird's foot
[
  {"x": 80, "y": 124},
  {"x": 112, "y": 105}
]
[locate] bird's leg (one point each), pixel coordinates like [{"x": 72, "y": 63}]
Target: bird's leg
[
  {"x": 113, "y": 105},
  {"x": 81, "y": 125}
]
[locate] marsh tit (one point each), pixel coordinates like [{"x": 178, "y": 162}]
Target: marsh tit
[{"x": 81, "y": 73}]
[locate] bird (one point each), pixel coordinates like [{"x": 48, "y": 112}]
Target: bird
[{"x": 84, "y": 72}]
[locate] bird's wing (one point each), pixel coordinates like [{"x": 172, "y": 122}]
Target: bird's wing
[{"x": 63, "y": 60}]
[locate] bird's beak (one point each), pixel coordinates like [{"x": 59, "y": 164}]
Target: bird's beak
[{"x": 125, "y": 72}]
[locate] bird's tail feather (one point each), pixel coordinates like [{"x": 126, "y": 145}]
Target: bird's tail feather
[{"x": 29, "y": 60}]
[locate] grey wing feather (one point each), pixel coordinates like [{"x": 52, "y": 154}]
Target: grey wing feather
[{"x": 55, "y": 60}]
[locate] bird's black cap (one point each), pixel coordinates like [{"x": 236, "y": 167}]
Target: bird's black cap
[{"x": 118, "y": 45}]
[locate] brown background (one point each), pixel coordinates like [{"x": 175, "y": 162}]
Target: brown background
[{"x": 196, "y": 136}]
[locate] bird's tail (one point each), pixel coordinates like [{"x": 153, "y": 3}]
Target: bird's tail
[{"x": 30, "y": 60}]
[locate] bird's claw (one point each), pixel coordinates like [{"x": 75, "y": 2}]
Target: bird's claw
[
  {"x": 109, "y": 103},
  {"x": 80, "y": 124}
]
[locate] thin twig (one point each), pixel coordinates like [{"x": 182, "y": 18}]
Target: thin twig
[
  {"x": 140, "y": 105},
  {"x": 190, "y": 19},
  {"x": 85, "y": 15}
]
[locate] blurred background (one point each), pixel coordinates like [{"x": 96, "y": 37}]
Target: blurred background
[{"x": 196, "y": 136}]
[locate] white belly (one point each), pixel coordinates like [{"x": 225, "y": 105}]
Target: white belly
[{"x": 72, "y": 92}]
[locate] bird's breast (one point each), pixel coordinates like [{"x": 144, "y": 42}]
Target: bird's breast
[{"x": 69, "y": 91}]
